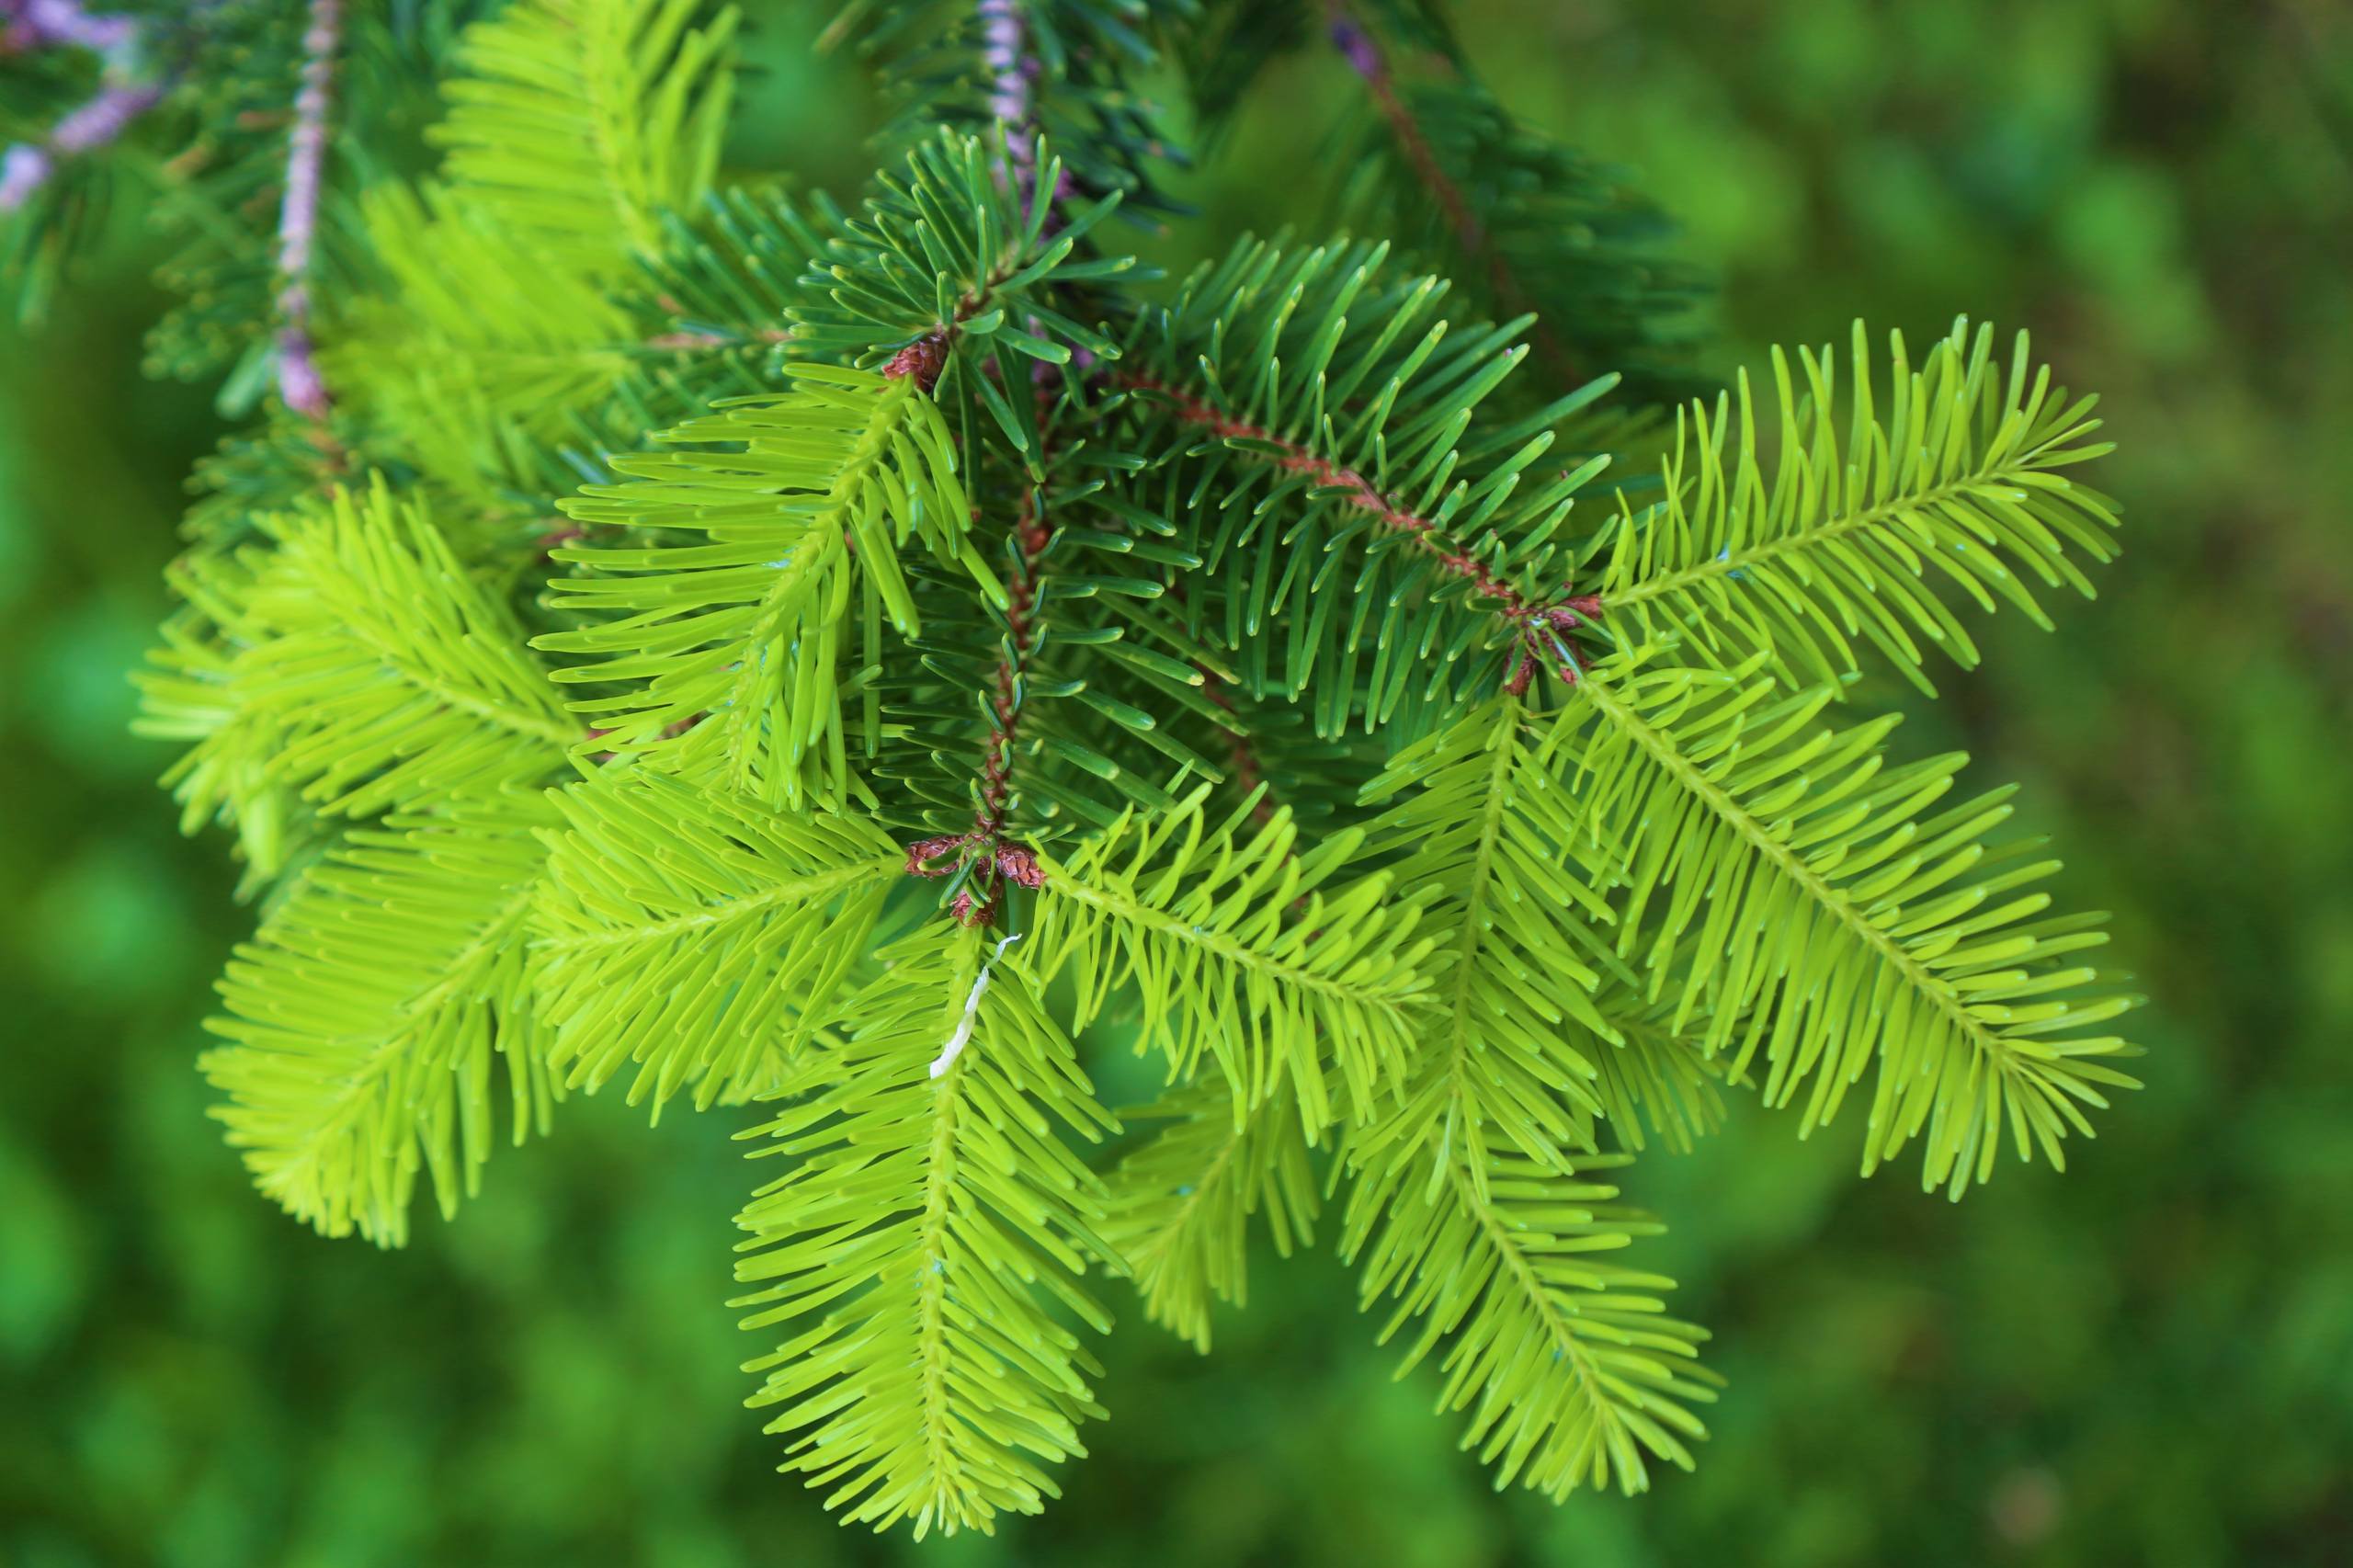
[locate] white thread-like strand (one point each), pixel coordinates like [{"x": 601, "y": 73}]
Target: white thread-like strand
[{"x": 963, "y": 1035}]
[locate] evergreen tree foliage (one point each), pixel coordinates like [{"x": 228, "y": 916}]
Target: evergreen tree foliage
[{"x": 876, "y": 659}]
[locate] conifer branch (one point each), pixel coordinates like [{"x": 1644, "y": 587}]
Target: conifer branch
[
  {"x": 585, "y": 120},
  {"x": 1853, "y": 930},
  {"x": 1016, "y": 565},
  {"x": 1182, "y": 1202},
  {"x": 363, "y": 1023},
  {"x": 1472, "y": 810},
  {"x": 1202, "y": 920},
  {"x": 1031, "y": 535},
  {"x": 1652, "y": 1065},
  {"x": 706, "y": 967},
  {"x": 1831, "y": 553},
  {"x": 1010, "y": 105},
  {"x": 985, "y": 860},
  {"x": 924, "y": 1247},
  {"x": 751, "y": 620},
  {"x": 1572, "y": 1371},
  {"x": 1948, "y": 1005}
]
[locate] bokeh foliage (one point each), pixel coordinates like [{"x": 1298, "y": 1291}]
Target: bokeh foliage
[{"x": 2148, "y": 1360}]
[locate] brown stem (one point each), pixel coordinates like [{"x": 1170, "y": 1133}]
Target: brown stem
[
  {"x": 993, "y": 859},
  {"x": 1248, "y": 774},
  {"x": 1532, "y": 622},
  {"x": 1030, "y": 536},
  {"x": 1356, "y": 44}
]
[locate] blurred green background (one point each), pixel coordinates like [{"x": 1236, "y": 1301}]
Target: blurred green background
[{"x": 2146, "y": 1360}]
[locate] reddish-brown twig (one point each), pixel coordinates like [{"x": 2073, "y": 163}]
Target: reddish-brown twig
[{"x": 1539, "y": 627}]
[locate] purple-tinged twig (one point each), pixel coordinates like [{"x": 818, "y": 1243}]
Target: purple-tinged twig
[
  {"x": 34, "y": 24},
  {"x": 24, "y": 170},
  {"x": 298, "y": 217},
  {"x": 25, "y": 167},
  {"x": 1013, "y": 69},
  {"x": 1002, "y": 36}
]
